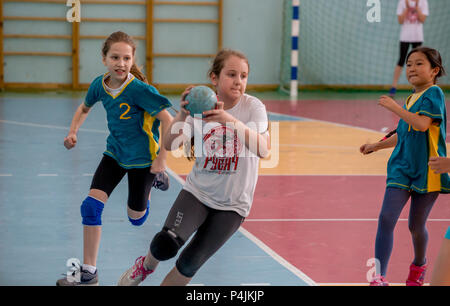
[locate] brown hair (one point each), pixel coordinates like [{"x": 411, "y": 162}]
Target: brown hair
[
  {"x": 216, "y": 68},
  {"x": 221, "y": 57},
  {"x": 120, "y": 36},
  {"x": 433, "y": 57}
]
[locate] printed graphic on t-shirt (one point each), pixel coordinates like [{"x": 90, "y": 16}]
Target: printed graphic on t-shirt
[{"x": 222, "y": 147}]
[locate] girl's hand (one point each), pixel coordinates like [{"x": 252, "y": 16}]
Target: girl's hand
[
  {"x": 70, "y": 141},
  {"x": 158, "y": 165},
  {"x": 387, "y": 102},
  {"x": 439, "y": 164},
  {"x": 367, "y": 148},
  {"x": 184, "y": 112},
  {"x": 218, "y": 115}
]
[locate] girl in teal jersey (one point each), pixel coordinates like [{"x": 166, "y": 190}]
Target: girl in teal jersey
[
  {"x": 420, "y": 135},
  {"x": 134, "y": 110}
]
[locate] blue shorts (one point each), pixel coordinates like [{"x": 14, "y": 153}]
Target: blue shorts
[{"x": 447, "y": 235}]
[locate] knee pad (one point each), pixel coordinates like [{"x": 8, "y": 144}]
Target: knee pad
[
  {"x": 141, "y": 220},
  {"x": 187, "y": 268},
  {"x": 91, "y": 211},
  {"x": 165, "y": 245}
]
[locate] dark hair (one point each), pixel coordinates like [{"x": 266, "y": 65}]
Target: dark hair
[
  {"x": 433, "y": 57},
  {"x": 221, "y": 57},
  {"x": 120, "y": 36}
]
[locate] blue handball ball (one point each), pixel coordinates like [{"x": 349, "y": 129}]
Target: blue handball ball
[{"x": 200, "y": 98}]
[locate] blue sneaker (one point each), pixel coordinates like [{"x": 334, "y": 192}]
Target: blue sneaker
[
  {"x": 392, "y": 92},
  {"x": 161, "y": 181}
]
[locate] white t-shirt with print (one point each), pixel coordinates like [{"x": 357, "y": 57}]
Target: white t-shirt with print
[
  {"x": 412, "y": 29},
  {"x": 225, "y": 172}
]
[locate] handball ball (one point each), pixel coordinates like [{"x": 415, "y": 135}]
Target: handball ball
[{"x": 200, "y": 98}]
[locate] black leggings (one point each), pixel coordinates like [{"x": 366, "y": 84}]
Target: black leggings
[
  {"x": 404, "y": 47},
  {"x": 394, "y": 201},
  {"x": 140, "y": 180},
  {"x": 214, "y": 228}
]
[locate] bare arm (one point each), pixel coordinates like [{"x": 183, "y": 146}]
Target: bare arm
[
  {"x": 420, "y": 15},
  {"x": 78, "y": 118},
  {"x": 373, "y": 147},
  {"x": 418, "y": 122},
  {"x": 175, "y": 129},
  {"x": 262, "y": 149},
  {"x": 159, "y": 164}
]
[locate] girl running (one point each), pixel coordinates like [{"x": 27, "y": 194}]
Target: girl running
[
  {"x": 218, "y": 192},
  {"x": 420, "y": 135},
  {"x": 134, "y": 110}
]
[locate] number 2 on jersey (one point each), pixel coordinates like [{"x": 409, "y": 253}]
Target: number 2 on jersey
[{"x": 125, "y": 112}]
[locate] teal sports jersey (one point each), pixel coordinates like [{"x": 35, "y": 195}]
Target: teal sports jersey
[
  {"x": 134, "y": 134},
  {"x": 408, "y": 165}
]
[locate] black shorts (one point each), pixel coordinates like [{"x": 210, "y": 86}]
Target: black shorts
[
  {"x": 213, "y": 228},
  {"x": 140, "y": 180},
  {"x": 404, "y": 47}
]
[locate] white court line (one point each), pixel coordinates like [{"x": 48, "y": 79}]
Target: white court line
[
  {"x": 333, "y": 123},
  {"x": 278, "y": 258},
  {"x": 5, "y": 174},
  {"x": 58, "y": 127},
  {"x": 330, "y": 220},
  {"x": 285, "y": 145},
  {"x": 47, "y": 174}
]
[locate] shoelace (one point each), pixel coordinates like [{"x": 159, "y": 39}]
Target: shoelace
[{"x": 139, "y": 268}]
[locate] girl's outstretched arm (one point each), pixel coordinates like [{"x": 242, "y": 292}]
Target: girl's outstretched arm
[{"x": 373, "y": 147}]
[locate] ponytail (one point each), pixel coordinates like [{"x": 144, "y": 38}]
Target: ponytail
[{"x": 138, "y": 73}]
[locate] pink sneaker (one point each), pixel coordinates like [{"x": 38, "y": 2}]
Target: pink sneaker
[
  {"x": 379, "y": 280},
  {"x": 416, "y": 275},
  {"x": 134, "y": 275}
]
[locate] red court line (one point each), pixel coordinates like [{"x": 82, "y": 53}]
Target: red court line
[
  {"x": 333, "y": 251},
  {"x": 358, "y": 113}
]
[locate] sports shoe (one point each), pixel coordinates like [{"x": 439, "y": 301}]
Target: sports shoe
[
  {"x": 79, "y": 277},
  {"x": 161, "y": 181},
  {"x": 416, "y": 275},
  {"x": 134, "y": 275},
  {"x": 392, "y": 92},
  {"x": 379, "y": 280}
]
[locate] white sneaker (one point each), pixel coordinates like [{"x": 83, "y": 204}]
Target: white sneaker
[{"x": 134, "y": 275}]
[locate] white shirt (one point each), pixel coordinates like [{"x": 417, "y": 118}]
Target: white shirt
[
  {"x": 225, "y": 172},
  {"x": 412, "y": 29},
  {"x": 115, "y": 91}
]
